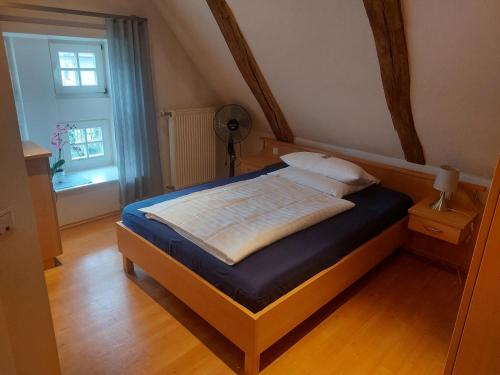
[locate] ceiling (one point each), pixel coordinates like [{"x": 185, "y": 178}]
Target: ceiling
[{"x": 320, "y": 61}]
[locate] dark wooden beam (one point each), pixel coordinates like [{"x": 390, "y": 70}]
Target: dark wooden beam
[
  {"x": 387, "y": 25},
  {"x": 249, "y": 69}
]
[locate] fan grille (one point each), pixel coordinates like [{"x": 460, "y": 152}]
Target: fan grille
[{"x": 232, "y": 122}]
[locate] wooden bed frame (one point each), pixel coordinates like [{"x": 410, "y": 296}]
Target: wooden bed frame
[{"x": 255, "y": 332}]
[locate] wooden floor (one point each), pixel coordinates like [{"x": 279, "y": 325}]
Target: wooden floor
[{"x": 396, "y": 320}]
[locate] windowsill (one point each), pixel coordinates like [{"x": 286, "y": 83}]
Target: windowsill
[
  {"x": 89, "y": 178},
  {"x": 78, "y": 96}
]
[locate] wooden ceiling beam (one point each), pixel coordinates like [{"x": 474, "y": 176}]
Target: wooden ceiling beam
[
  {"x": 386, "y": 21},
  {"x": 250, "y": 70}
]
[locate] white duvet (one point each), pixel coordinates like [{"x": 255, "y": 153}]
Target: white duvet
[{"x": 235, "y": 220}]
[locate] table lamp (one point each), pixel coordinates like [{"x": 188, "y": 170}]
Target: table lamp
[{"x": 446, "y": 182}]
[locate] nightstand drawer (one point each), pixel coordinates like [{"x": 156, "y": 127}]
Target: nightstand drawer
[{"x": 435, "y": 229}]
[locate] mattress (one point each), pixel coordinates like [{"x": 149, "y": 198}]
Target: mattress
[{"x": 271, "y": 272}]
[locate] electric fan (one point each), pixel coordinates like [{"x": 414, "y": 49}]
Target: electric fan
[{"x": 232, "y": 124}]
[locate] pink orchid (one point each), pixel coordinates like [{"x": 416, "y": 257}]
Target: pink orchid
[{"x": 57, "y": 140}]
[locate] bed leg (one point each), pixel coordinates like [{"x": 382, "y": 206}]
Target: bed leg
[
  {"x": 252, "y": 363},
  {"x": 128, "y": 265}
]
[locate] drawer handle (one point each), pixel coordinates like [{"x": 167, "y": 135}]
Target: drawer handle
[{"x": 432, "y": 229}]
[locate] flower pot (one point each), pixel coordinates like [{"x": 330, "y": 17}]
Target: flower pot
[{"x": 58, "y": 177}]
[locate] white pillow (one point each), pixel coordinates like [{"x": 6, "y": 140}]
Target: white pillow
[
  {"x": 318, "y": 182},
  {"x": 329, "y": 166}
]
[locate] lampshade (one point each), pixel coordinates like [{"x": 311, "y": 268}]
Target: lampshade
[{"x": 446, "y": 179}]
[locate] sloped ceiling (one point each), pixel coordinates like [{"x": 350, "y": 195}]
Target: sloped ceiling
[
  {"x": 194, "y": 26},
  {"x": 320, "y": 61}
]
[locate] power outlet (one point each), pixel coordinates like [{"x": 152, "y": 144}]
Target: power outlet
[
  {"x": 6, "y": 222},
  {"x": 275, "y": 151}
]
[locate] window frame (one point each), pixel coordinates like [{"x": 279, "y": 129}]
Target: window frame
[
  {"x": 97, "y": 48},
  {"x": 86, "y": 142},
  {"x": 96, "y": 161}
]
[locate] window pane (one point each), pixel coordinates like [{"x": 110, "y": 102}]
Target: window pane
[
  {"x": 69, "y": 78},
  {"x": 95, "y": 149},
  {"x": 86, "y": 60},
  {"x": 78, "y": 152},
  {"x": 76, "y": 136},
  {"x": 89, "y": 77},
  {"x": 67, "y": 60},
  {"x": 94, "y": 134}
]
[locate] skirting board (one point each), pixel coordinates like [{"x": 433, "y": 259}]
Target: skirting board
[{"x": 90, "y": 220}]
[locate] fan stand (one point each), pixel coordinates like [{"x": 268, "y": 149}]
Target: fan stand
[
  {"x": 232, "y": 156},
  {"x": 232, "y": 124}
]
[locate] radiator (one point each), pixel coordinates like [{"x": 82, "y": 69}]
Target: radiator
[{"x": 192, "y": 146}]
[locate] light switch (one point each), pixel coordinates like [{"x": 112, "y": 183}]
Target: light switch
[
  {"x": 6, "y": 221},
  {"x": 275, "y": 151}
]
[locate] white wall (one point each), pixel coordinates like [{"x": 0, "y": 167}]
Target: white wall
[
  {"x": 30, "y": 60},
  {"x": 454, "y": 53},
  {"x": 320, "y": 61},
  {"x": 75, "y": 205},
  {"x": 178, "y": 83},
  {"x": 25, "y": 320},
  {"x": 42, "y": 109},
  {"x": 41, "y": 106}
]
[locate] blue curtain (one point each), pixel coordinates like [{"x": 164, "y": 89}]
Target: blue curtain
[{"x": 134, "y": 112}]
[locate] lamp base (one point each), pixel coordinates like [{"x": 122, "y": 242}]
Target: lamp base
[{"x": 440, "y": 204}]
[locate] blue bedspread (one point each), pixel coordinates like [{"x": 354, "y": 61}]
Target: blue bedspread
[{"x": 271, "y": 272}]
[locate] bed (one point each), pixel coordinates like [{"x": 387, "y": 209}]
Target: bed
[
  {"x": 259, "y": 300},
  {"x": 271, "y": 272}
]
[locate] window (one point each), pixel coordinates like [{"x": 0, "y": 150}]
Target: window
[
  {"x": 90, "y": 145},
  {"x": 78, "y": 68},
  {"x": 86, "y": 143}
]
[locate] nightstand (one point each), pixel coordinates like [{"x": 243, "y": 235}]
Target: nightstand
[
  {"x": 451, "y": 226},
  {"x": 255, "y": 162}
]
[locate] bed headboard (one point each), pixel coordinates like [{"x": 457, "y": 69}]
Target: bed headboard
[{"x": 417, "y": 185}]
